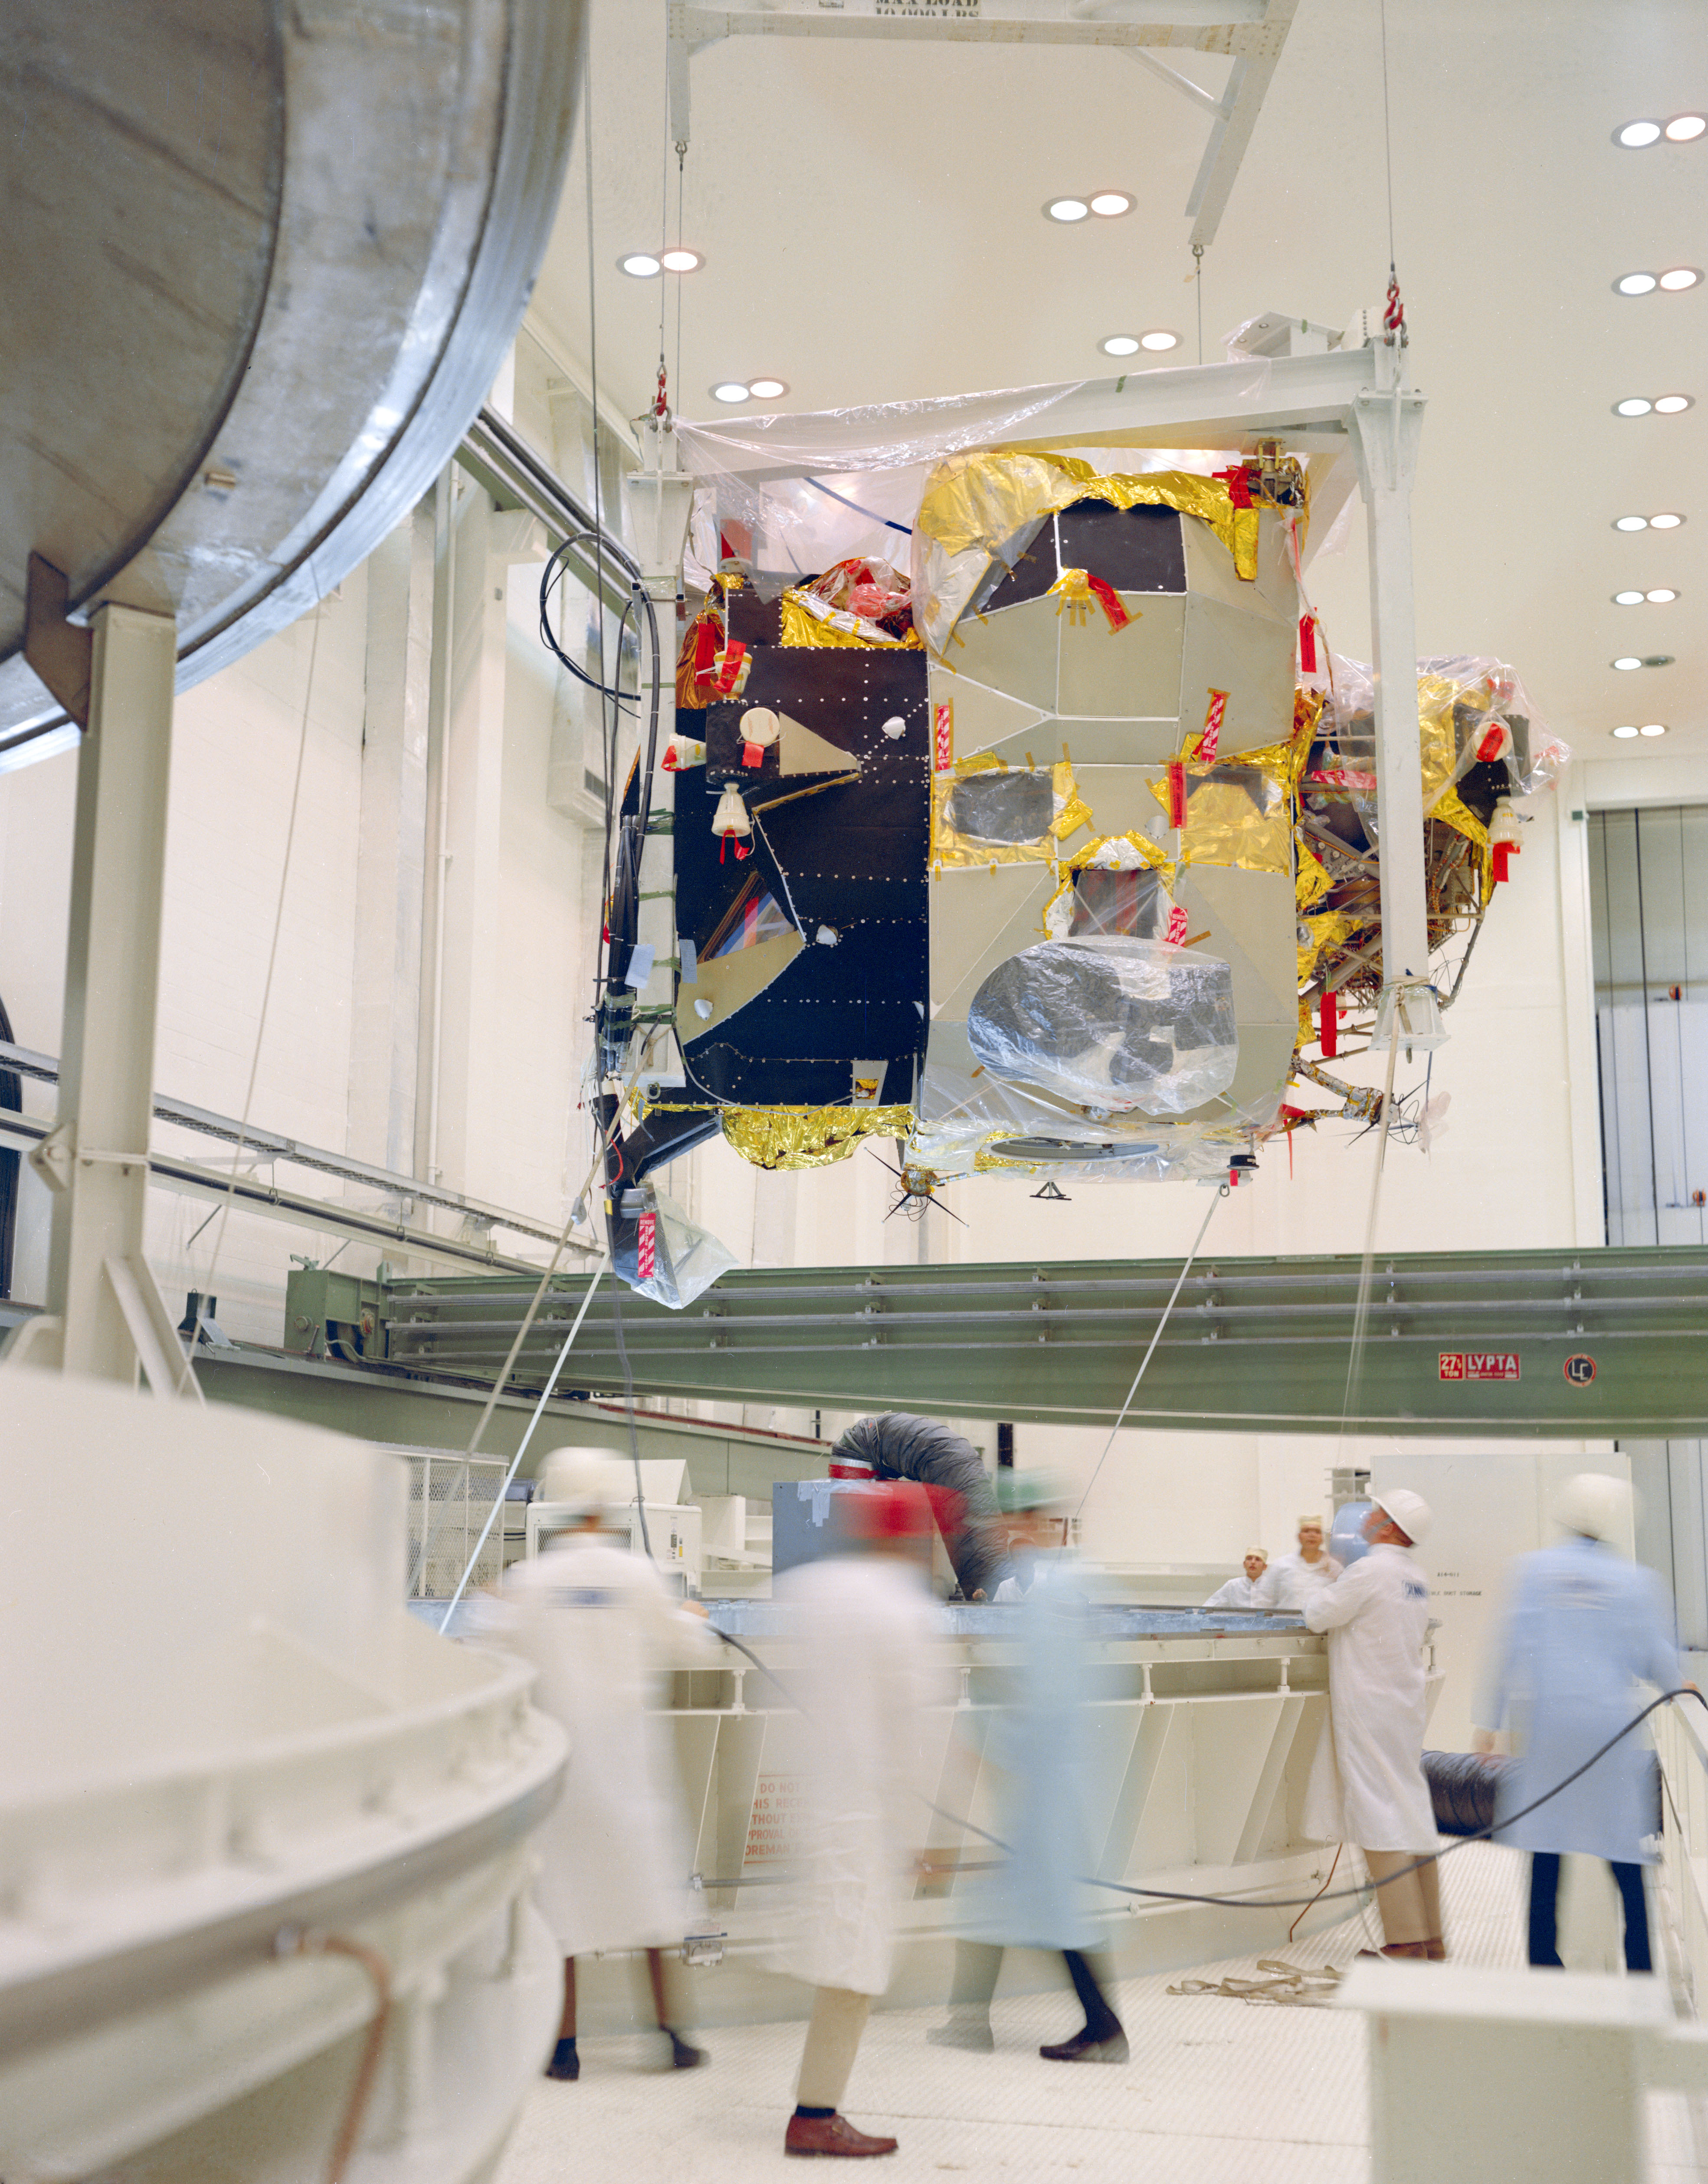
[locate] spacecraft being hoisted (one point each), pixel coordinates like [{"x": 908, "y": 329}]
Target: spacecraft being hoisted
[{"x": 1053, "y": 849}]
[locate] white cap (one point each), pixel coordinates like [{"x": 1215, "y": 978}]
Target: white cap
[
  {"x": 1594, "y": 1504},
  {"x": 581, "y": 1479},
  {"x": 1262, "y": 1553},
  {"x": 1410, "y": 1511}
]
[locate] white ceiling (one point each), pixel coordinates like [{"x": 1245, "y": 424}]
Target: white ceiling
[{"x": 870, "y": 217}]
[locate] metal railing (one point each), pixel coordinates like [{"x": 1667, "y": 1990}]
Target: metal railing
[
  {"x": 450, "y": 1498},
  {"x": 1681, "y": 1739}
]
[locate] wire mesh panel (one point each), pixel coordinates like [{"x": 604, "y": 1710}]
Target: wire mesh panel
[{"x": 450, "y": 1498}]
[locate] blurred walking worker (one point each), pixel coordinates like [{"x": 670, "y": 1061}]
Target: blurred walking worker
[
  {"x": 1038, "y": 1750},
  {"x": 601, "y": 1629},
  {"x": 1583, "y": 1628},
  {"x": 867, "y": 1630},
  {"x": 1367, "y": 1783},
  {"x": 1290, "y": 1582}
]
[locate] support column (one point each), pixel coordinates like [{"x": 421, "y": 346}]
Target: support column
[
  {"x": 97, "y": 1159},
  {"x": 1384, "y": 427}
]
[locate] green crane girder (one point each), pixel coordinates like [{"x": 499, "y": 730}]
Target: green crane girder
[{"x": 1605, "y": 1344}]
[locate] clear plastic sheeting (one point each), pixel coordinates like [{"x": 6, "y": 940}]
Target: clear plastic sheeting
[
  {"x": 1464, "y": 702},
  {"x": 1110, "y": 1023},
  {"x": 670, "y": 1258}
]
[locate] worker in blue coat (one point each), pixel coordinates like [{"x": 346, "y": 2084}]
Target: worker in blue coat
[
  {"x": 1037, "y": 1751},
  {"x": 1583, "y": 1628}
]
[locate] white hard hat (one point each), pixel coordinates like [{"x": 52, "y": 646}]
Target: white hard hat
[
  {"x": 1594, "y": 1504},
  {"x": 1410, "y": 1511},
  {"x": 581, "y": 1480}
]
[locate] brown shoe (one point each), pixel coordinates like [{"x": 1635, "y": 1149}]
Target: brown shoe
[{"x": 832, "y": 2134}]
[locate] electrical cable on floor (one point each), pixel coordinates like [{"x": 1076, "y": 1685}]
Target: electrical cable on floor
[{"x": 1268, "y": 1902}]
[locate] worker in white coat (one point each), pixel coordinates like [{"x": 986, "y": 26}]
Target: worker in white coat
[
  {"x": 1367, "y": 1783},
  {"x": 1245, "y": 1591},
  {"x": 868, "y": 1634},
  {"x": 600, "y": 1628},
  {"x": 1290, "y": 1582},
  {"x": 1583, "y": 1628},
  {"x": 1038, "y": 1750}
]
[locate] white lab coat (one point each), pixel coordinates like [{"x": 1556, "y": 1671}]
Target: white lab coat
[
  {"x": 1242, "y": 1592},
  {"x": 869, "y": 1635},
  {"x": 1367, "y": 1783},
  {"x": 1582, "y": 1627},
  {"x": 600, "y": 1628},
  {"x": 1289, "y": 1583}
]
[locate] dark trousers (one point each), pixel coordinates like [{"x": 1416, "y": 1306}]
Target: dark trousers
[
  {"x": 977, "y": 1963},
  {"x": 1544, "y": 1897}
]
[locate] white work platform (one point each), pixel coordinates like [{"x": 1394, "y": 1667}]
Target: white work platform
[{"x": 1218, "y": 2092}]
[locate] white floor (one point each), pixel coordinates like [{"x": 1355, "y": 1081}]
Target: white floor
[{"x": 1218, "y": 2092}]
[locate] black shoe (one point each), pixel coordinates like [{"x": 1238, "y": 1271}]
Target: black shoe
[
  {"x": 1085, "y": 2047},
  {"x": 684, "y": 2055},
  {"x": 566, "y": 2063}
]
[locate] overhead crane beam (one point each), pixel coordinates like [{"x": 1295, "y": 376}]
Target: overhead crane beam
[{"x": 1600, "y": 1344}]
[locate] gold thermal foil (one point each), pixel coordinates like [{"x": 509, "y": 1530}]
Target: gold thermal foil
[
  {"x": 1311, "y": 881},
  {"x": 808, "y": 1137},
  {"x": 983, "y": 499},
  {"x": 1235, "y": 815},
  {"x": 802, "y": 626}
]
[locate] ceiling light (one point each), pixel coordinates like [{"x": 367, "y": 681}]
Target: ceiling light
[
  {"x": 1627, "y": 663},
  {"x": 1636, "y": 134},
  {"x": 640, "y": 265},
  {"x": 1653, "y": 728},
  {"x": 1685, "y": 128},
  {"x": 1680, "y": 276},
  {"x": 1067, "y": 210},
  {"x": 679, "y": 260},
  {"x": 1627, "y": 598},
  {"x": 1162, "y": 339},
  {"x": 1669, "y": 405},
  {"x": 1668, "y": 523},
  {"x": 1625, "y": 734},
  {"x": 1634, "y": 284},
  {"x": 1633, "y": 405},
  {"x": 767, "y": 390},
  {"x": 1630, "y": 523},
  {"x": 730, "y": 390},
  {"x": 1119, "y": 345},
  {"x": 1662, "y": 599},
  {"x": 1110, "y": 204}
]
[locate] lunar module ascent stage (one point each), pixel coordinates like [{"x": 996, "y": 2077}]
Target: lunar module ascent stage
[{"x": 1057, "y": 843}]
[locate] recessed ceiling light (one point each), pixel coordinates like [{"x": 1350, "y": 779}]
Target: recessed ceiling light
[
  {"x": 1627, "y": 663},
  {"x": 1633, "y": 405},
  {"x": 1634, "y": 284},
  {"x": 730, "y": 390},
  {"x": 1668, "y": 523},
  {"x": 1120, "y": 345},
  {"x": 640, "y": 265},
  {"x": 1627, "y": 598},
  {"x": 1669, "y": 405},
  {"x": 1661, "y": 599},
  {"x": 1680, "y": 276},
  {"x": 1110, "y": 204},
  {"x": 1653, "y": 728},
  {"x": 1625, "y": 734},
  {"x": 1636, "y": 134},
  {"x": 1067, "y": 210},
  {"x": 1161, "y": 338},
  {"x": 1630, "y": 523},
  {"x": 1685, "y": 128},
  {"x": 767, "y": 390},
  {"x": 680, "y": 260}
]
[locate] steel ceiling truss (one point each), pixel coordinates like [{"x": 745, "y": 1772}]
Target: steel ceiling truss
[
  {"x": 1596, "y": 1343},
  {"x": 1251, "y": 32}
]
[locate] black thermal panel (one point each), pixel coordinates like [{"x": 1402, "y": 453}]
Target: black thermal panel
[{"x": 1134, "y": 549}]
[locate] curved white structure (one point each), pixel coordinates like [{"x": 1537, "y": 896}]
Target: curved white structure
[{"x": 226, "y": 1736}]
